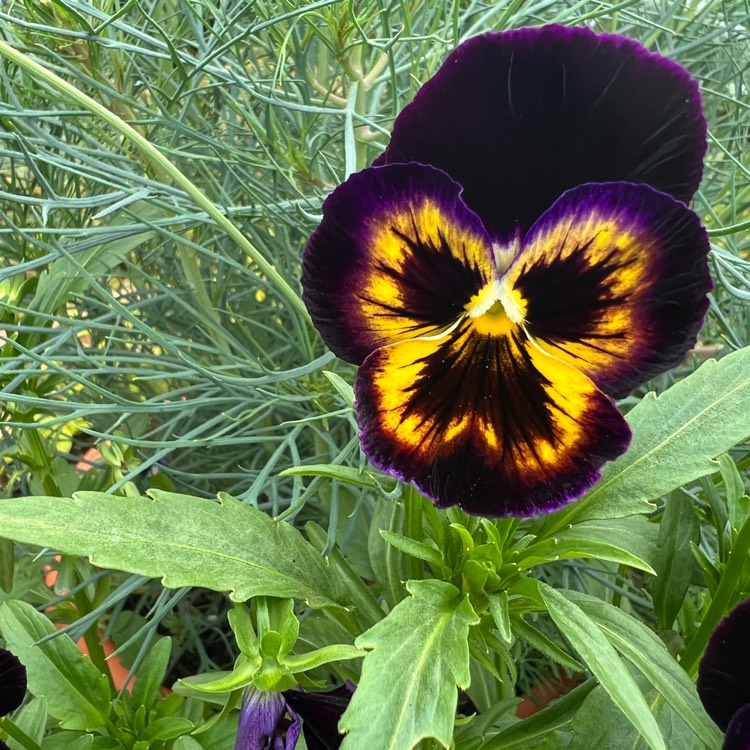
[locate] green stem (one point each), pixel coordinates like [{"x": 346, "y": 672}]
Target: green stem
[
  {"x": 158, "y": 160},
  {"x": 413, "y": 529},
  {"x": 724, "y": 592}
]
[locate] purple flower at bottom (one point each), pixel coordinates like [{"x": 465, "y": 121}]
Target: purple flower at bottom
[
  {"x": 273, "y": 721},
  {"x": 724, "y": 678},
  {"x": 12, "y": 684}
]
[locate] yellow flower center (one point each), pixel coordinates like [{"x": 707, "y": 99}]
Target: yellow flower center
[{"x": 496, "y": 308}]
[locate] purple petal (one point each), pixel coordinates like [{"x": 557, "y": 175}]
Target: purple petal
[
  {"x": 738, "y": 731},
  {"x": 12, "y": 682},
  {"x": 397, "y": 255},
  {"x": 320, "y": 712},
  {"x": 518, "y": 117},
  {"x": 484, "y": 419},
  {"x": 614, "y": 280},
  {"x": 261, "y": 724},
  {"x": 724, "y": 672}
]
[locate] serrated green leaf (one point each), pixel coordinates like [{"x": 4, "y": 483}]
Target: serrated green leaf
[
  {"x": 419, "y": 654},
  {"x": 184, "y": 540},
  {"x": 649, "y": 655},
  {"x": 674, "y": 561},
  {"x": 676, "y": 437},
  {"x": 604, "y": 662},
  {"x": 77, "y": 694}
]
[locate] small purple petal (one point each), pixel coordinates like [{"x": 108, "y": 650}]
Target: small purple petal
[
  {"x": 320, "y": 712},
  {"x": 518, "y": 117},
  {"x": 12, "y": 682},
  {"x": 738, "y": 731},
  {"x": 261, "y": 724},
  {"x": 724, "y": 672},
  {"x": 397, "y": 255}
]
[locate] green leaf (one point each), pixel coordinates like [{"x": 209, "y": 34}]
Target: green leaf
[
  {"x": 676, "y": 436},
  {"x": 419, "y": 655},
  {"x": 31, "y": 718},
  {"x": 77, "y": 693},
  {"x": 344, "y": 389},
  {"x": 674, "y": 561},
  {"x": 388, "y": 563},
  {"x": 498, "y": 606},
  {"x": 69, "y": 741},
  {"x": 314, "y": 659},
  {"x": 345, "y": 474},
  {"x": 184, "y": 540},
  {"x": 628, "y": 541},
  {"x": 604, "y": 662},
  {"x": 150, "y": 675},
  {"x": 600, "y": 725},
  {"x": 738, "y": 503},
  {"x": 642, "y": 648},
  {"x": 412, "y": 547},
  {"x": 557, "y": 714}
]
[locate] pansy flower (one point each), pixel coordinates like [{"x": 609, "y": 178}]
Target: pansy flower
[
  {"x": 724, "y": 678},
  {"x": 275, "y": 720},
  {"x": 520, "y": 255},
  {"x": 12, "y": 684}
]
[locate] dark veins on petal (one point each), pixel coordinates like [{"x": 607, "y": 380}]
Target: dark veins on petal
[
  {"x": 519, "y": 117},
  {"x": 556, "y": 305},
  {"x": 433, "y": 279}
]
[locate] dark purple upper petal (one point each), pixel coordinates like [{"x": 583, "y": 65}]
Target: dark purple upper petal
[
  {"x": 518, "y": 117},
  {"x": 320, "y": 712},
  {"x": 12, "y": 682},
  {"x": 738, "y": 731},
  {"x": 724, "y": 672}
]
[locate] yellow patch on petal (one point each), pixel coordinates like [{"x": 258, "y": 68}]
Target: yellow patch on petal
[
  {"x": 497, "y": 399},
  {"x": 581, "y": 282},
  {"x": 401, "y": 243}
]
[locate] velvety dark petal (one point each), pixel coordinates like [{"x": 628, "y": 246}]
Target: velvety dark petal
[
  {"x": 738, "y": 731},
  {"x": 484, "y": 419},
  {"x": 518, "y": 117},
  {"x": 724, "y": 672},
  {"x": 12, "y": 682},
  {"x": 320, "y": 712},
  {"x": 613, "y": 280},
  {"x": 397, "y": 255},
  {"x": 261, "y": 722}
]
